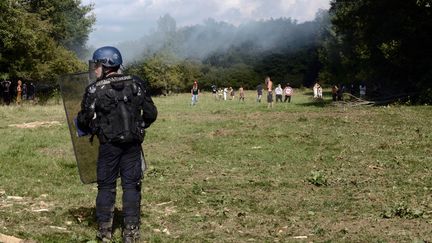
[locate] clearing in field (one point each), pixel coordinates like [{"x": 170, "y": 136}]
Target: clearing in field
[{"x": 228, "y": 171}]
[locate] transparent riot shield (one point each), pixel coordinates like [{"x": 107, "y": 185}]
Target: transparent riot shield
[{"x": 72, "y": 88}]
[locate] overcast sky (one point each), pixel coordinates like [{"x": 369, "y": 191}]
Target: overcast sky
[{"x": 122, "y": 20}]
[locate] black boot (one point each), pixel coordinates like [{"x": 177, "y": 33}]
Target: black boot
[
  {"x": 105, "y": 232},
  {"x": 131, "y": 233}
]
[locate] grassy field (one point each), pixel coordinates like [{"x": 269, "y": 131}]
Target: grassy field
[{"x": 224, "y": 171}]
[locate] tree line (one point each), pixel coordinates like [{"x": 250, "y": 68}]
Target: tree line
[
  {"x": 218, "y": 53},
  {"x": 383, "y": 44}
]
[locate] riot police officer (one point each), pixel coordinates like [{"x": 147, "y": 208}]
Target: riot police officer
[{"x": 117, "y": 108}]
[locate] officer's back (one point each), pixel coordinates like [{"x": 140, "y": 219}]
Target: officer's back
[{"x": 117, "y": 108}]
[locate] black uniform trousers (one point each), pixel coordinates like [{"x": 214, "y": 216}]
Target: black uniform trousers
[{"x": 114, "y": 159}]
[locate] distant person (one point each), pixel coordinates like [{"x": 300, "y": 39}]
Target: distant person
[
  {"x": 335, "y": 90},
  {"x": 6, "y": 92},
  {"x": 24, "y": 91},
  {"x": 231, "y": 93},
  {"x": 269, "y": 86},
  {"x": 220, "y": 94},
  {"x": 340, "y": 92},
  {"x": 362, "y": 88},
  {"x": 214, "y": 91},
  {"x": 19, "y": 92},
  {"x": 319, "y": 92},
  {"x": 225, "y": 93},
  {"x": 278, "y": 93},
  {"x": 31, "y": 91},
  {"x": 259, "y": 90},
  {"x": 241, "y": 94},
  {"x": 288, "y": 91},
  {"x": 194, "y": 93},
  {"x": 315, "y": 90}
]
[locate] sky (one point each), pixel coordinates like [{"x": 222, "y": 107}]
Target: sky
[{"x": 124, "y": 20}]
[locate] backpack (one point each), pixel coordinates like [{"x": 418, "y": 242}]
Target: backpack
[{"x": 118, "y": 110}]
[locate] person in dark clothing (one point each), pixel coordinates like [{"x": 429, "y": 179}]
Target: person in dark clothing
[
  {"x": 117, "y": 108},
  {"x": 214, "y": 91},
  {"x": 340, "y": 92},
  {"x": 24, "y": 91},
  {"x": 31, "y": 91},
  {"x": 6, "y": 92},
  {"x": 335, "y": 90},
  {"x": 259, "y": 89}
]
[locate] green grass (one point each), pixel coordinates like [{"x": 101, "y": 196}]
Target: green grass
[{"x": 224, "y": 171}]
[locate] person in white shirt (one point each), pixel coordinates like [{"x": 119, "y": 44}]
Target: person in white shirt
[
  {"x": 278, "y": 92},
  {"x": 315, "y": 90},
  {"x": 319, "y": 92},
  {"x": 288, "y": 93}
]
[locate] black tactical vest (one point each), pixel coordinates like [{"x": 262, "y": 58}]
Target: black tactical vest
[{"x": 118, "y": 107}]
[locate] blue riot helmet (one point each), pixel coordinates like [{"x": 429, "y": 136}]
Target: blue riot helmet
[{"x": 108, "y": 56}]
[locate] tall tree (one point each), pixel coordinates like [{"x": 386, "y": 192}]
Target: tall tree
[
  {"x": 71, "y": 21},
  {"x": 385, "y": 43},
  {"x": 28, "y": 47}
]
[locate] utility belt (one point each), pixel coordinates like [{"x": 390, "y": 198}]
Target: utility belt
[{"x": 106, "y": 136}]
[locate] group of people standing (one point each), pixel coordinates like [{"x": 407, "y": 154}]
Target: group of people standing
[
  {"x": 337, "y": 92},
  {"x": 21, "y": 90},
  {"x": 229, "y": 93},
  {"x": 280, "y": 93},
  {"x": 287, "y": 91}
]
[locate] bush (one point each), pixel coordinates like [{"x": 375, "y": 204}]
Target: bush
[{"x": 317, "y": 178}]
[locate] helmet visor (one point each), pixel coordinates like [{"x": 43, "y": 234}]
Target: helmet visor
[{"x": 92, "y": 69}]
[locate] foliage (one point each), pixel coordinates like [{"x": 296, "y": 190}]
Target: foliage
[
  {"x": 161, "y": 70},
  {"x": 35, "y": 44},
  {"x": 4, "y": 76},
  {"x": 426, "y": 96},
  {"x": 234, "y": 76},
  {"x": 317, "y": 178},
  {"x": 403, "y": 211},
  {"x": 71, "y": 22},
  {"x": 383, "y": 43}
]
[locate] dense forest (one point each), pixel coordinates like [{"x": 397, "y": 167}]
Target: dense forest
[{"x": 383, "y": 44}]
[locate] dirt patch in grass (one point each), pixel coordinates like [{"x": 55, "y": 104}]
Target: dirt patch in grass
[
  {"x": 36, "y": 124},
  {"x": 12, "y": 239},
  {"x": 357, "y": 229},
  {"x": 221, "y": 133},
  {"x": 53, "y": 152}
]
